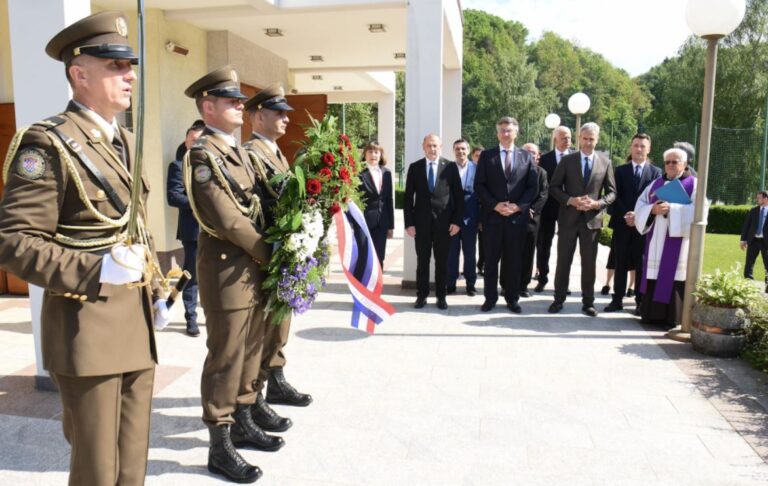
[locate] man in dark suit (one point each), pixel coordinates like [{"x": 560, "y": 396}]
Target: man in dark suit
[
  {"x": 465, "y": 243},
  {"x": 432, "y": 212},
  {"x": 549, "y": 161},
  {"x": 532, "y": 230},
  {"x": 631, "y": 180},
  {"x": 187, "y": 228},
  {"x": 506, "y": 183},
  {"x": 752, "y": 236},
  {"x": 583, "y": 184}
]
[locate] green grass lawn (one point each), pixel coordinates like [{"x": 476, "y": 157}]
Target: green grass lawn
[{"x": 722, "y": 251}]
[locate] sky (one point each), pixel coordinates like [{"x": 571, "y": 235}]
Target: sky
[{"x": 632, "y": 35}]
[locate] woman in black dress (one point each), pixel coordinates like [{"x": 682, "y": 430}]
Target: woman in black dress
[{"x": 378, "y": 196}]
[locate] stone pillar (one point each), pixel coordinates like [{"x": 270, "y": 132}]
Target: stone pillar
[
  {"x": 451, "y": 110},
  {"x": 386, "y": 128},
  {"x": 423, "y": 95},
  {"x": 40, "y": 90}
]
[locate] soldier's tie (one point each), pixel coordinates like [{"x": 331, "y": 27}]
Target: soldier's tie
[{"x": 117, "y": 144}]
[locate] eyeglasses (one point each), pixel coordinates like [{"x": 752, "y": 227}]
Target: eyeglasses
[{"x": 672, "y": 162}]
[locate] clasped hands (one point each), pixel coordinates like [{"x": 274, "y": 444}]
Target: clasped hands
[
  {"x": 506, "y": 208},
  {"x": 583, "y": 203},
  {"x": 661, "y": 207}
]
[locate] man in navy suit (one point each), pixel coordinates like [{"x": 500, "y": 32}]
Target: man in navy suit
[
  {"x": 187, "y": 228},
  {"x": 531, "y": 233},
  {"x": 432, "y": 211},
  {"x": 506, "y": 184},
  {"x": 631, "y": 180},
  {"x": 753, "y": 236},
  {"x": 466, "y": 241}
]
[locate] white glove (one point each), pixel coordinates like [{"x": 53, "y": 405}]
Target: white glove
[
  {"x": 124, "y": 264},
  {"x": 162, "y": 316}
]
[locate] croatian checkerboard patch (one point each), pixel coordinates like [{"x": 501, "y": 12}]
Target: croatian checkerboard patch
[
  {"x": 202, "y": 174},
  {"x": 30, "y": 164}
]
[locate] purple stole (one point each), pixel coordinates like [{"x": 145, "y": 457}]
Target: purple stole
[{"x": 670, "y": 255}]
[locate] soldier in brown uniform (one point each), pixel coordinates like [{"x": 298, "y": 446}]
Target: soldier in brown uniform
[
  {"x": 268, "y": 110},
  {"x": 226, "y": 197},
  {"x": 62, "y": 226}
]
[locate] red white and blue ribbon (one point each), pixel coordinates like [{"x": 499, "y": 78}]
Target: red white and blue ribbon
[{"x": 362, "y": 269}]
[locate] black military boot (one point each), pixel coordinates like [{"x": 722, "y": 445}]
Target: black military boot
[
  {"x": 280, "y": 391},
  {"x": 268, "y": 419},
  {"x": 245, "y": 433},
  {"x": 224, "y": 459}
]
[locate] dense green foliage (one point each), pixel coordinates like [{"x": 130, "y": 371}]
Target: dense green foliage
[
  {"x": 726, "y": 219},
  {"x": 726, "y": 289},
  {"x": 756, "y": 351}
]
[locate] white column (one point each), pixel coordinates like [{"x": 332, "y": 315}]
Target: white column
[
  {"x": 451, "y": 109},
  {"x": 40, "y": 90},
  {"x": 423, "y": 94},
  {"x": 386, "y": 127}
]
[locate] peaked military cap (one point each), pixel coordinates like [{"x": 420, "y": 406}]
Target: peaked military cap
[
  {"x": 104, "y": 34},
  {"x": 271, "y": 98},
  {"x": 222, "y": 82}
]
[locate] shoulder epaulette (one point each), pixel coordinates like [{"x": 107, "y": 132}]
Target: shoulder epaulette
[{"x": 51, "y": 121}]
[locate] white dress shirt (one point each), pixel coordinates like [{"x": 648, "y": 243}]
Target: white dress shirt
[
  {"x": 227, "y": 137},
  {"x": 503, "y": 155},
  {"x": 376, "y": 175},
  {"x": 108, "y": 128}
]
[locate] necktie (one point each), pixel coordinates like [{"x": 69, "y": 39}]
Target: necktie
[
  {"x": 587, "y": 170},
  {"x": 279, "y": 155},
  {"x": 637, "y": 176},
  {"x": 117, "y": 144},
  {"x": 508, "y": 164},
  {"x": 761, "y": 225},
  {"x": 431, "y": 177}
]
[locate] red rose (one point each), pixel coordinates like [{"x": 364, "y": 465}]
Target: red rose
[
  {"x": 346, "y": 141},
  {"x": 335, "y": 208},
  {"x": 311, "y": 201},
  {"x": 351, "y": 160},
  {"x": 335, "y": 190},
  {"x": 325, "y": 172},
  {"x": 314, "y": 187},
  {"x": 344, "y": 174},
  {"x": 329, "y": 159}
]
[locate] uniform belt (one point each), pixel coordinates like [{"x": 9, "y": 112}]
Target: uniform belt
[{"x": 95, "y": 172}]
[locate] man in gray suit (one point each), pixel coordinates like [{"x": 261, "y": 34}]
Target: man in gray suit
[{"x": 584, "y": 186}]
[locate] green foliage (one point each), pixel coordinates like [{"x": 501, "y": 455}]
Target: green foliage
[
  {"x": 726, "y": 289},
  {"x": 605, "y": 236},
  {"x": 358, "y": 120},
  {"x": 756, "y": 351},
  {"x": 726, "y": 219},
  {"x": 399, "y": 198}
]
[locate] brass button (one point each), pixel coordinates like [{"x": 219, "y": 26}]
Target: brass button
[
  {"x": 83, "y": 298},
  {"x": 75, "y": 296},
  {"x": 242, "y": 186},
  {"x": 67, "y": 294},
  {"x": 223, "y": 256},
  {"x": 100, "y": 194}
]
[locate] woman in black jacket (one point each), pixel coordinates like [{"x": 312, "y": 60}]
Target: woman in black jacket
[{"x": 378, "y": 196}]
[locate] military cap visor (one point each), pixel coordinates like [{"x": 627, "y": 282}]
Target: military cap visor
[
  {"x": 100, "y": 35},
  {"x": 270, "y": 98},
  {"x": 222, "y": 82}
]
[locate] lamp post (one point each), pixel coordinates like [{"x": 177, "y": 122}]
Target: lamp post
[
  {"x": 578, "y": 104},
  {"x": 710, "y": 20},
  {"x": 552, "y": 121}
]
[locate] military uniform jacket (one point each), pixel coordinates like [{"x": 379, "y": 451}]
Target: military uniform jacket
[
  {"x": 231, "y": 246},
  {"x": 272, "y": 165},
  {"x": 88, "y": 328}
]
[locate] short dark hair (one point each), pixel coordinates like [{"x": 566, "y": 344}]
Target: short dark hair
[
  {"x": 196, "y": 125},
  {"x": 477, "y": 147},
  {"x": 461, "y": 140},
  {"x": 641, "y": 136},
  {"x": 763, "y": 193}
]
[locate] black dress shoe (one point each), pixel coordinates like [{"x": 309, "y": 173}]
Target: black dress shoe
[
  {"x": 555, "y": 307},
  {"x": 245, "y": 432},
  {"x": 223, "y": 458},
  {"x": 613, "y": 307},
  {"x": 281, "y": 392},
  {"x": 514, "y": 307},
  {"x": 450, "y": 290},
  {"x": 589, "y": 310},
  {"x": 637, "y": 311},
  {"x": 605, "y": 290},
  {"x": 567, "y": 292},
  {"x": 525, "y": 293},
  {"x": 442, "y": 304},
  {"x": 539, "y": 287},
  {"x": 630, "y": 292},
  {"x": 192, "y": 329},
  {"x": 487, "y": 306},
  {"x": 471, "y": 291},
  {"x": 420, "y": 302},
  {"x": 268, "y": 419}
]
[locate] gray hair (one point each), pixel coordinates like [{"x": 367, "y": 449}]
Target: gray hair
[
  {"x": 531, "y": 147},
  {"x": 562, "y": 128},
  {"x": 590, "y": 127},
  {"x": 507, "y": 120},
  {"x": 677, "y": 151}
]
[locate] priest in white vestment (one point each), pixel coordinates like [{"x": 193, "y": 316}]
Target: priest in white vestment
[{"x": 667, "y": 227}]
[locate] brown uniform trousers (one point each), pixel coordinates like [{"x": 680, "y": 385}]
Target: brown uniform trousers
[
  {"x": 228, "y": 274},
  {"x": 275, "y": 337},
  {"x": 97, "y": 339}
]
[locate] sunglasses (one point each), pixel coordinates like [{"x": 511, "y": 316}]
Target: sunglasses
[{"x": 671, "y": 162}]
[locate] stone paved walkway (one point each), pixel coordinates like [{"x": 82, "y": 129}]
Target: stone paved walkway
[{"x": 440, "y": 398}]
